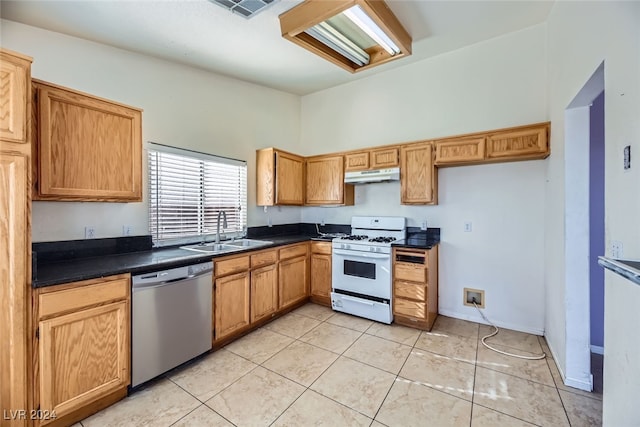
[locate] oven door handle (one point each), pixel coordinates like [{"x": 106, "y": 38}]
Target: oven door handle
[
  {"x": 356, "y": 300},
  {"x": 361, "y": 254}
]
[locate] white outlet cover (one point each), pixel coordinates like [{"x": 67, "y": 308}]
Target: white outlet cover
[{"x": 468, "y": 226}]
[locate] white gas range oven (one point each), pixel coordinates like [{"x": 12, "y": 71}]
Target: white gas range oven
[{"x": 361, "y": 267}]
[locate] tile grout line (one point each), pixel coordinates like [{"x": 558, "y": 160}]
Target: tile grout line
[{"x": 475, "y": 371}]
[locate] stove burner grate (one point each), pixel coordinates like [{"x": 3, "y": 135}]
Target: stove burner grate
[{"x": 382, "y": 239}]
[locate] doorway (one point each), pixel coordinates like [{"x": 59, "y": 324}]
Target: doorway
[{"x": 584, "y": 229}]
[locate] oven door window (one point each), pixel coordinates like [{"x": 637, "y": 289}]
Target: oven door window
[{"x": 365, "y": 270}]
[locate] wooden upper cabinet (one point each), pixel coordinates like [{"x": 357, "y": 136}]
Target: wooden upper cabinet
[
  {"x": 385, "y": 158},
  {"x": 279, "y": 178},
  {"x": 372, "y": 159},
  {"x": 460, "y": 151},
  {"x": 520, "y": 143},
  {"x": 503, "y": 145},
  {"x": 418, "y": 177},
  {"x": 325, "y": 182},
  {"x": 88, "y": 148},
  {"x": 357, "y": 161},
  {"x": 15, "y": 78}
]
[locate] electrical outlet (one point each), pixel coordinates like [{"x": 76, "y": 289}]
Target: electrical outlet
[
  {"x": 322, "y": 222},
  {"x": 473, "y": 294},
  {"x": 127, "y": 230},
  {"x": 468, "y": 226},
  {"x": 616, "y": 249},
  {"x": 423, "y": 226},
  {"x": 89, "y": 232},
  {"x": 269, "y": 222}
]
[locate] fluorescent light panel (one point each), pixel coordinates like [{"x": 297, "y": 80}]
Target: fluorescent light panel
[
  {"x": 366, "y": 24},
  {"x": 337, "y": 41}
]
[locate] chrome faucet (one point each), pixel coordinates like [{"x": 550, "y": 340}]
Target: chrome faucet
[{"x": 224, "y": 224}]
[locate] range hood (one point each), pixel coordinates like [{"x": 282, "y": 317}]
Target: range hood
[{"x": 369, "y": 176}]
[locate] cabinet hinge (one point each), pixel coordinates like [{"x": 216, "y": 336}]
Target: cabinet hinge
[{"x": 38, "y": 336}]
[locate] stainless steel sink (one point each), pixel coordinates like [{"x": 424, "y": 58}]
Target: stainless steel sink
[
  {"x": 227, "y": 246},
  {"x": 248, "y": 243},
  {"x": 212, "y": 248}
]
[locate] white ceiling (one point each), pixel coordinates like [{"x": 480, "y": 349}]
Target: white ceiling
[{"x": 205, "y": 35}]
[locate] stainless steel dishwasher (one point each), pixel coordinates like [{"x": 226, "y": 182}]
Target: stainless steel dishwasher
[{"x": 171, "y": 319}]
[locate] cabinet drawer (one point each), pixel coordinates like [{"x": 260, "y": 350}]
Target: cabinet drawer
[
  {"x": 412, "y": 291},
  {"x": 321, "y": 248},
  {"x": 293, "y": 251},
  {"x": 410, "y": 308},
  {"x": 231, "y": 265},
  {"x": 87, "y": 293},
  {"x": 410, "y": 272},
  {"x": 263, "y": 258}
]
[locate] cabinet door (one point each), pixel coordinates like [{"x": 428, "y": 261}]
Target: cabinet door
[
  {"x": 231, "y": 304},
  {"x": 522, "y": 143},
  {"x": 321, "y": 276},
  {"x": 460, "y": 151},
  {"x": 293, "y": 281},
  {"x": 289, "y": 179},
  {"x": 325, "y": 181},
  {"x": 384, "y": 158},
  {"x": 88, "y": 148},
  {"x": 356, "y": 161},
  {"x": 15, "y": 283},
  {"x": 14, "y": 80},
  {"x": 264, "y": 292},
  {"x": 418, "y": 179},
  {"x": 83, "y": 357}
]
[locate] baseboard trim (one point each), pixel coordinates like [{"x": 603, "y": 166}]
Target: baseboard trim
[
  {"x": 478, "y": 319},
  {"x": 581, "y": 385},
  {"x": 597, "y": 349}
]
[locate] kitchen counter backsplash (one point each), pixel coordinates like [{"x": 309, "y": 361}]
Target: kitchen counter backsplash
[{"x": 303, "y": 228}]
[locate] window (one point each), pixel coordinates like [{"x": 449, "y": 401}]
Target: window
[{"x": 187, "y": 190}]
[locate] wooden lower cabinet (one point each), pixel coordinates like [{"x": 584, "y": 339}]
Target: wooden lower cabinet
[
  {"x": 264, "y": 292},
  {"x": 415, "y": 287},
  {"x": 83, "y": 348},
  {"x": 320, "y": 276},
  {"x": 293, "y": 274},
  {"x": 293, "y": 281},
  {"x": 231, "y": 304}
]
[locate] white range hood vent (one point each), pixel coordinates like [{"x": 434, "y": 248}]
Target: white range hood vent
[{"x": 370, "y": 176}]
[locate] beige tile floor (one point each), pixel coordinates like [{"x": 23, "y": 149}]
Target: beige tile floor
[{"x": 317, "y": 367}]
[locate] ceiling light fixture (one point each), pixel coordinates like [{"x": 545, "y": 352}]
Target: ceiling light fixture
[
  {"x": 328, "y": 35},
  {"x": 366, "y": 24},
  {"x": 354, "y": 34}
]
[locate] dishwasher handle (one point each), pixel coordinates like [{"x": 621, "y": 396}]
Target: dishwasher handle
[{"x": 165, "y": 277}]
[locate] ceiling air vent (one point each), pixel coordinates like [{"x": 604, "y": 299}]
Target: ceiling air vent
[{"x": 244, "y": 8}]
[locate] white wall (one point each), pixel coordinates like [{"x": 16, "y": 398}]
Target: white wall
[
  {"x": 494, "y": 84},
  {"x": 183, "y": 106},
  {"x": 580, "y": 36}
]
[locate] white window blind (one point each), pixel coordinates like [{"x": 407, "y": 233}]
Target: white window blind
[{"x": 187, "y": 190}]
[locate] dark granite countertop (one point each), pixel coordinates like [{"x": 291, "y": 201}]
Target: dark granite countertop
[
  {"x": 415, "y": 243},
  {"x": 55, "y": 271},
  {"x": 419, "y": 239}
]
